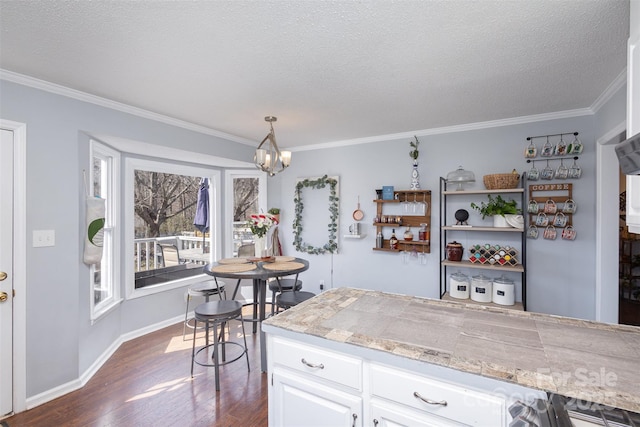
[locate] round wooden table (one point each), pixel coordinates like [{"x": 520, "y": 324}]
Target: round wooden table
[{"x": 258, "y": 271}]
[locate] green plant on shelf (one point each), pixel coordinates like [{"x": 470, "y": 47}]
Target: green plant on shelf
[{"x": 496, "y": 206}]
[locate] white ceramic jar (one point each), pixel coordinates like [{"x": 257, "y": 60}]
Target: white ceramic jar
[
  {"x": 459, "y": 286},
  {"x": 503, "y": 291},
  {"x": 481, "y": 288}
]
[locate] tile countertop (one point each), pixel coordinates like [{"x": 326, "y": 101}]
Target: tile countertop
[{"x": 593, "y": 361}]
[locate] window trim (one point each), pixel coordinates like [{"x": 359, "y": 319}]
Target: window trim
[
  {"x": 166, "y": 166},
  {"x": 229, "y": 176},
  {"x": 112, "y": 158}
]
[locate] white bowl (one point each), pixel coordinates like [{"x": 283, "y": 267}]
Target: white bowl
[{"x": 516, "y": 221}]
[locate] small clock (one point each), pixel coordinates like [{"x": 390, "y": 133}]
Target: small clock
[{"x": 462, "y": 216}]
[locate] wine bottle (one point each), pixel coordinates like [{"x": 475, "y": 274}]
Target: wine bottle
[{"x": 393, "y": 240}]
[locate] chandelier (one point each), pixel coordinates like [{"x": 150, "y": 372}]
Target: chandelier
[{"x": 268, "y": 157}]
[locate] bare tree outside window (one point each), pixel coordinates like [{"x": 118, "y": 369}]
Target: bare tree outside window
[
  {"x": 165, "y": 204},
  {"x": 245, "y": 198}
]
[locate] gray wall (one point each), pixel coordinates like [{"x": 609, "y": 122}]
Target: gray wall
[
  {"x": 560, "y": 273},
  {"x": 61, "y": 342}
]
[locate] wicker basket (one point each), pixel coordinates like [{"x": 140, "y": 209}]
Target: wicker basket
[{"x": 501, "y": 181}]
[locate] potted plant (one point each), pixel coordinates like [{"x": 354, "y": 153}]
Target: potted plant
[
  {"x": 275, "y": 212},
  {"x": 497, "y": 208}
]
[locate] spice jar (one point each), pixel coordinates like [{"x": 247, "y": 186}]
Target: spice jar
[
  {"x": 422, "y": 233},
  {"x": 454, "y": 251}
]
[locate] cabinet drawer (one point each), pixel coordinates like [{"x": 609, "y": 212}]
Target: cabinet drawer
[
  {"x": 462, "y": 405},
  {"x": 331, "y": 366}
]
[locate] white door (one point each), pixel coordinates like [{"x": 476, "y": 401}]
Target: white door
[{"x": 6, "y": 272}]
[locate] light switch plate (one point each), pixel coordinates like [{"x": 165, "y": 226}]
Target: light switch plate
[{"x": 43, "y": 238}]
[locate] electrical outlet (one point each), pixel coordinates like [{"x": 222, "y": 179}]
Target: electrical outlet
[{"x": 321, "y": 285}]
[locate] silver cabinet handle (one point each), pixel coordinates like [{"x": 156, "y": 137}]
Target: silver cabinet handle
[
  {"x": 355, "y": 417},
  {"x": 375, "y": 422},
  {"x": 429, "y": 401},
  {"x": 312, "y": 365}
]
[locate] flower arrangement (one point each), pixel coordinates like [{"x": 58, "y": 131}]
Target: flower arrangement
[
  {"x": 414, "y": 153},
  {"x": 259, "y": 224}
]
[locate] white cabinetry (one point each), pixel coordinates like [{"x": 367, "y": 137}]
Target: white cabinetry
[{"x": 312, "y": 386}]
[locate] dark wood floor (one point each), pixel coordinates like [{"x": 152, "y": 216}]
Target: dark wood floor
[{"x": 147, "y": 383}]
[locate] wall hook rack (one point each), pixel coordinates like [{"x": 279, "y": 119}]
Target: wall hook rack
[{"x": 529, "y": 138}]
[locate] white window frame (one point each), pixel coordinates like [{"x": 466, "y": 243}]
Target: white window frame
[
  {"x": 229, "y": 176},
  {"x": 110, "y": 266},
  {"x": 167, "y": 166}
]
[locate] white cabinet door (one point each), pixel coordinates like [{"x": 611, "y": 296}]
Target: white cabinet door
[
  {"x": 300, "y": 402},
  {"x": 384, "y": 414}
]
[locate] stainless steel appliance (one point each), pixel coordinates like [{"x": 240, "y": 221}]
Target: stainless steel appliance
[
  {"x": 628, "y": 153},
  {"x": 561, "y": 411}
]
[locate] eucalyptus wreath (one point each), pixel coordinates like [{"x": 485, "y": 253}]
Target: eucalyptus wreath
[{"x": 332, "y": 245}]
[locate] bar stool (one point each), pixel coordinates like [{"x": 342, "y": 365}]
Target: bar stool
[
  {"x": 282, "y": 285},
  {"x": 202, "y": 289},
  {"x": 216, "y": 314},
  {"x": 292, "y": 298}
]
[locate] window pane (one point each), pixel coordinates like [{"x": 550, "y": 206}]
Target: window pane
[
  {"x": 245, "y": 203},
  {"x": 168, "y": 246},
  {"x": 101, "y": 288}
]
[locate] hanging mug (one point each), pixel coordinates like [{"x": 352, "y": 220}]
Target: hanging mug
[
  {"x": 531, "y": 151},
  {"x": 575, "y": 147},
  {"x": 562, "y": 172},
  {"x": 533, "y": 174},
  {"x": 561, "y": 148},
  {"x": 532, "y": 208},
  {"x": 569, "y": 233},
  {"x": 550, "y": 233},
  {"x": 550, "y": 207},
  {"x": 547, "y": 149},
  {"x": 542, "y": 220},
  {"x": 547, "y": 173},
  {"x": 532, "y": 232},
  {"x": 560, "y": 220},
  {"x": 575, "y": 171},
  {"x": 569, "y": 207}
]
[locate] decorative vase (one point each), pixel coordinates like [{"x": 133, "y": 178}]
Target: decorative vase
[
  {"x": 500, "y": 221},
  {"x": 415, "y": 177},
  {"x": 260, "y": 246}
]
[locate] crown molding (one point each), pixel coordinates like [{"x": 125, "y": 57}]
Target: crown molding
[
  {"x": 114, "y": 105},
  {"x": 451, "y": 129},
  {"x": 611, "y": 90}
]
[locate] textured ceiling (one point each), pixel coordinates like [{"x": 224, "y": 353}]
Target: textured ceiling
[{"x": 329, "y": 70}]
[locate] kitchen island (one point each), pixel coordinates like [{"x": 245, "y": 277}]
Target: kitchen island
[{"x": 475, "y": 348}]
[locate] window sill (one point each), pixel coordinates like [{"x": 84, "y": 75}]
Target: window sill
[
  {"x": 106, "y": 309},
  {"x": 167, "y": 286}
]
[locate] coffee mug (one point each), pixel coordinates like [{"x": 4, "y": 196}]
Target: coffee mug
[
  {"x": 569, "y": 207},
  {"x": 550, "y": 207},
  {"x": 560, "y": 220},
  {"x": 547, "y": 173},
  {"x": 547, "y": 150},
  {"x": 562, "y": 172},
  {"x": 569, "y": 233},
  {"x": 532, "y": 232},
  {"x": 542, "y": 220},
  {"x": 532, "y": 208},
  {"x": 533, "y": 174},
  {"x": 550, "y": 233},
  {"x": 530, "y": 151}
]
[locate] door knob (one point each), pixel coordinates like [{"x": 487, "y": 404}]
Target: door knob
[
  {"x": 3, "y": 296},
  {"x": 3, "y": 276}
]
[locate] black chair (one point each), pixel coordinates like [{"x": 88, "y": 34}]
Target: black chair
[
  {"x": 278, "y": 285},
  {"x": 285, "y": 300}
]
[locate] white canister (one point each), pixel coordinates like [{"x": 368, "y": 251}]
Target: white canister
[
  {"x": 459, "y": 286},
  {"x": 481, "y": 288},
  {"x": 504, "y": 291}
]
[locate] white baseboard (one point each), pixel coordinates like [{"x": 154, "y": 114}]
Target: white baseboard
[{"x": 80, "y": 382}]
